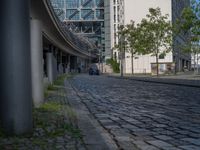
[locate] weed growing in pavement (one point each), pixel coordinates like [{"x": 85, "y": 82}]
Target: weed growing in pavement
[
  {"x": 71, "y": 115},
  {"x": 60, "y": 80},
  {"x": 52, "y": 120},
  {"x": 51, "y": 87},
  {"x": 54, "y": 115},
  {"x": 51, "y": 106},
  {"x": 50, "y": 123},
  {"x": 46, "y": 93}
]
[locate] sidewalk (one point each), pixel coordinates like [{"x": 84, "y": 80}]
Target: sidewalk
[
  {"x": 183, "y": 79},
  {"x": 62, "y": 123},
  {"x": 55, "y": 126}
]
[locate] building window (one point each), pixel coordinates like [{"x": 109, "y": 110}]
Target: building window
[
  {"x": 87, "y": 3},
  {"x": 87, "y": 14},
  {"x": 72, "y": 14},
  {"x": 99, "y": 14},
  {"x": 72, "y": 3}
]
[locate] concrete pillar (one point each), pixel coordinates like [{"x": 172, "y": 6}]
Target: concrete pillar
[
  {"x": 60, "y": 63},
  {"x": 15, "y": 67},
  {"x": 68, "y": 64},
  {"x": 73, "y": 63},
  {"x": 50, "y": 66},
  {"x": 55, "y": 62},
  {"x": 36, "y": 63}
]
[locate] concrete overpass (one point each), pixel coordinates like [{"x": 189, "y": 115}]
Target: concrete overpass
[{"x": 35, "y": 44}]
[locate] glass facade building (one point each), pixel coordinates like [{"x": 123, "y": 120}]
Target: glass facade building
[{"x": 84, "y": 18}]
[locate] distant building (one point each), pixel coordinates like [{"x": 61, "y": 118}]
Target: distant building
[
  {"x": 117, "y": 20},
  {"x": 84, "y": 18},
  {"x": 136, "y": 10},
  {"x": 181, "y": 59},
  {"x": 195, "y": 61}
]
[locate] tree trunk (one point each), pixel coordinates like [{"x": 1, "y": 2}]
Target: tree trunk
[
  {"x": 197, "y": 63},
  {"x": 132, "y": 64},
  {"x": 194, "y": 62},
  {"x": 121, "y": 69},
  {"x": 157, "y": 68}
]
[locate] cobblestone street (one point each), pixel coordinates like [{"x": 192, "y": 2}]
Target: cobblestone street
[{"x": 140, "y": 115}]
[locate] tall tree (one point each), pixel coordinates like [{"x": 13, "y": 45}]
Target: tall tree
[
  {"x": 132, "y": 33},
  {"x": 155, "y": 35}
]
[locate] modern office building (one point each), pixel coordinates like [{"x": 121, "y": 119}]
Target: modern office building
[
  {"x": 127, "y": 10},
  {"x": 84, "y": 18},
  {"x": 117, "y": 20},
  {"x": 181, "y": 59}
]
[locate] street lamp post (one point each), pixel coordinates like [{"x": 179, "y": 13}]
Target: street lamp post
[
  {"x": 175, "y": 63},
  {"x": 102, "y": 63},
  {"x": 101, "y": 48},
  {"x": 122, "y": 55}
]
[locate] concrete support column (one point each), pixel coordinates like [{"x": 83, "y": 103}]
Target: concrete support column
[
  {"x": 68, "y": 64},
  {"x": 73, "y": 63},
  {"x": 15, "y": 67},
  {"x": 49, "y": 56},
  {"x": 60, "y": 63},
  {"x": 61, "y": 59},
  {"x": 36, "y": 63}
]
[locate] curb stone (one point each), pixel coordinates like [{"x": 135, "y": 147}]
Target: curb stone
[{"x": 178, "y": 82}]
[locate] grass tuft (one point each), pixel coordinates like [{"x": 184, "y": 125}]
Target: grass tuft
[{"x": 51, "y": 106}]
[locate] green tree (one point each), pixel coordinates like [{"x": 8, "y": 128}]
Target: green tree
[
  {"x": 155, "y": 35},
  {"x": 132, "y": 34},
  {"x": 114, "y": 64}
]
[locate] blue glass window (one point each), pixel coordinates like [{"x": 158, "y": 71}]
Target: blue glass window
[
  {"x": 72, "y": 14},
  {"x": 72, "y": 3},
  {"x": 87, "y": 14},
  {"x": 100, "y": 14},
  {"x": 87, "y": 3}
]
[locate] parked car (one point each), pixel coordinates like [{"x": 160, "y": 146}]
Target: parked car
[{"x": 93, "y": 70}]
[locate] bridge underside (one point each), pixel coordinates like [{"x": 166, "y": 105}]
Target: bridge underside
[{"x": 63, "y": 62}]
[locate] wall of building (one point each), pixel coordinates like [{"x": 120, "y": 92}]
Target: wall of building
[
  {"x": 142, "y": 64},
  {"x": 117, "y": 19},
  {"x": 108, "y": 28},
  {"x": 137, "y": 9}
]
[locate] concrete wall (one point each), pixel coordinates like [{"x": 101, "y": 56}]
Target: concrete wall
[
  {"x": 142, "y": 64},
  {"x": 137, "y": 9},
  {"x": 107, "y": 24}
]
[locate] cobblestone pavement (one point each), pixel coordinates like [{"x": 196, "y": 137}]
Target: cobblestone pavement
[{"x": 143, "y": 116}]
